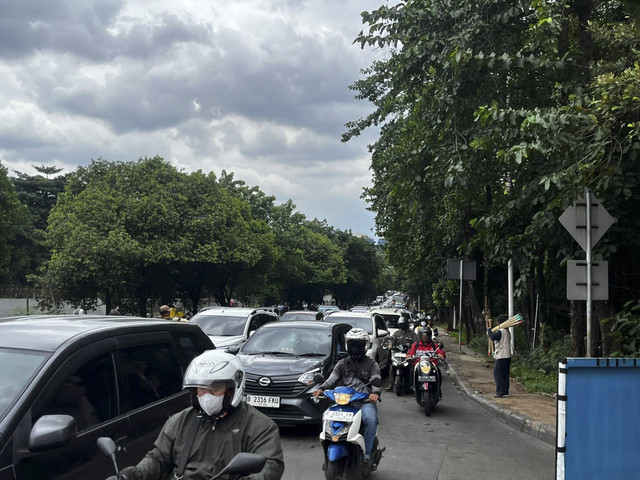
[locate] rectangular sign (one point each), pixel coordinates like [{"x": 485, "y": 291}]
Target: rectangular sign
[
  {"x": 263, "y": 401},
  {"x": 468, "y": 270},
  {"x": 577, "y": 280}
]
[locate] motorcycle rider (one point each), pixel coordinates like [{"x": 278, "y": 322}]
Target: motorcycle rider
[
  {"x": 206, "y": 436},
  {"x": 403, "y": 336},
  {"x": 363, "y": 375},
  {"x": 426, "y": 344}
]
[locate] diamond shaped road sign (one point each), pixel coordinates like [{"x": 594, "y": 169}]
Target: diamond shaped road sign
[{"x": 574, "y": 219}]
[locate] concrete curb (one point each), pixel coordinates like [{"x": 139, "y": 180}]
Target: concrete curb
[{"x": 534, "y": 428}]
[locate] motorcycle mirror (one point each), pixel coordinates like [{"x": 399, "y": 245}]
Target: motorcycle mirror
[
  {"x": 318, "y": 378},
  {"x": 107, "y": 447},
  {"x": 243, "y": 464},
  {"x": 441, "y": 345}
]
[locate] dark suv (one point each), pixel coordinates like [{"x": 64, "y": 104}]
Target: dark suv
[
  {"x": 66, "y": 381},
  {"x": 280, "y": 361}
]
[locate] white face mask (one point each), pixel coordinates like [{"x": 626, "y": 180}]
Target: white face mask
[{"x": 211, "y": 404}]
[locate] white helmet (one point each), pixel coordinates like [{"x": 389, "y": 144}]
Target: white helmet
[
  {"x": 358, "y": 334},
  {"x": 216, "y": 366}
]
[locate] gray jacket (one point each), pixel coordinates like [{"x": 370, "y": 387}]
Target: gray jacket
[
  {"x": 243, "y": 430},
  {"x": 357, "y": 375}
]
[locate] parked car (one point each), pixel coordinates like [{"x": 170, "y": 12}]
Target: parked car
[
  {"x": 228, "y": 328},
  {"x": 68, "y": 380},
  {"x": 295, "y": 315},
  {"x": 328, "y": 308},
  {"x": 374, "y": 325},
  {"x": 280, "y": 362}
]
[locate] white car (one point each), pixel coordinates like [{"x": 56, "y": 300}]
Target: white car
[
  {"x": 391, "y": 317},
  {"x": 230, "y": 327},
  {"x": 372, "y": 324}
]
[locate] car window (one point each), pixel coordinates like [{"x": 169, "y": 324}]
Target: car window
[
  {"x": 364, "y": 323},
  {"x": 380, "y": 325},
  {"x": 18, "y": 367},
  {"x": 294, "y": 341},
  {"x": 341, "y": 345},
  {"x": 148, "y": 373},
  {"x": 88, "y": 395},
  {"x": 258, "y": 320},
  {"x": 220, "y": 325},
  {"x": 190, "y": 347}
]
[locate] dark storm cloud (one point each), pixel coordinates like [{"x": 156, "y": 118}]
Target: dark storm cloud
[{"x": 81, "y": 28}]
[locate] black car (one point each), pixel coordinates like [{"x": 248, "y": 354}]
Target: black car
[
  {"x": 280, "y": 361},
  {"x": 66, "y": 381}
]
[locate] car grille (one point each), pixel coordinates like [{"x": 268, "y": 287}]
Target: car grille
[
  {"x": 281, "y": 385},
  {"x": 285, "y": 411}
]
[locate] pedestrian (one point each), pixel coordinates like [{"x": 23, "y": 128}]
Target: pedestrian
[
  {"x": 502, "y": 342},
  {"x": 199, "y": 441}
]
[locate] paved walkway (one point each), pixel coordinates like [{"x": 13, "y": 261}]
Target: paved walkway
[{"x": 534, "y": 414}]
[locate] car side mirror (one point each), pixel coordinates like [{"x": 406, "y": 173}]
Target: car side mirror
[
  {"x": 51, "y": 431},
  {"x": 233, "y": 350},
  {"x": 383, "y": 333}
]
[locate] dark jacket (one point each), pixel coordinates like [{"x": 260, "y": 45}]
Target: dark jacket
[
  {"x": 244, "y": 429},
  {"x": 357, "y": 375}
]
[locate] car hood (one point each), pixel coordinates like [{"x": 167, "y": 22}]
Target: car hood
[
  {"x": 279, "y": 365},
  {"x": 226, "y": 341}
]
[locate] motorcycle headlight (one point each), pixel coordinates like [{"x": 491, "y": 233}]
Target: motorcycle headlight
[
  {"x": 342, "y": 398},
  {"x": 425, "y": 367},
  {"x": 307, "y": 377}
]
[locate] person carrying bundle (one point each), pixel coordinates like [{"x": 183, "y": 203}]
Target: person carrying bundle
[{"x": 502, "y": 342}]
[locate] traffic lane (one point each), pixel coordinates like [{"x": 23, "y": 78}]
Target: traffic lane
[{"x": 459, "y": 441}]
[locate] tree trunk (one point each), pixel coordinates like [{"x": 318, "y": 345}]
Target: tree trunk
[{"x": 578, "y": 329}]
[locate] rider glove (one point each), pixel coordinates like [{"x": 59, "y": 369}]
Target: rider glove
[{"x": 130, "y": 473}]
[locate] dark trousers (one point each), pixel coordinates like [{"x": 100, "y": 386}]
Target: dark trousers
[{"x": 501, "y": 375}]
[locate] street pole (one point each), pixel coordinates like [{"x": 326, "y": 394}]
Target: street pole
[
  {"x": 510, "y": 295},
  {"x": 460, "y": 322},
  {"x": 587, "y": 195}
]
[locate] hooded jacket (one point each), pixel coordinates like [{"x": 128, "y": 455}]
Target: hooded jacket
[
  {"x": 242, "y": 429},
  {"x": 358, "y": 375}
]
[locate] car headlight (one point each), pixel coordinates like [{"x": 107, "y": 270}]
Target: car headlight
[
  {"x": 425, "y": 367},
  {"x": 307, "y": 377},
  {"x": 342, "y": 398}
]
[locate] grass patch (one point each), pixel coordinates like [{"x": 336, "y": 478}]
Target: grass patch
[{"x": 534, "y": 381}]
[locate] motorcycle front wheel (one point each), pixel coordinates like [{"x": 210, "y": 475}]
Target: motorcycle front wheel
[
  {"x": 426, "y": 401},
  {"x": 335, "y": 470},
  {"x": 398, "y": 386}
]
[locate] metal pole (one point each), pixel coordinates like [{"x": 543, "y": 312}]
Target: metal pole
[
  {"x": 535, "y": 323},
  {"x": 460, "y": 330},
  {"x": 510, "y": 295},
  {"x": 587, "y": 195}
]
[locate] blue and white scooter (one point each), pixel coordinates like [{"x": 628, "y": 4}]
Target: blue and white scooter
[{"x": 342, "y": 437}]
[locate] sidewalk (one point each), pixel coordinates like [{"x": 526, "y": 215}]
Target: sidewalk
[{"x": 533, "y": 414}]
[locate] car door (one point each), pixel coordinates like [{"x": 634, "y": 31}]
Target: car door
[
  {"x": 382, "y": 354},
  {"x": 84, "y": 387},
  {"x": 150, "y": 385}
]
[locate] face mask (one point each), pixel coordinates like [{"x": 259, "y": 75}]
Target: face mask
[{"x": 211, "y": 404}]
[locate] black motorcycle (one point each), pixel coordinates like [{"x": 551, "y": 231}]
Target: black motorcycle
[
  {"x": 427, "y": 381},
  {"x": 401, "y": 369}
]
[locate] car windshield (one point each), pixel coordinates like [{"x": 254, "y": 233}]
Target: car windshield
[
  {"x": 291, "y": 316},
  {"x": 220, "y": 325},
  {"x": 289, "y": 341},
  {"x": 364, "y": 323},
  {"x": 18, "y": 368}
]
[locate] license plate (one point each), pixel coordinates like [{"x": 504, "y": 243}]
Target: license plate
[
  {"x": 427, "y": 378},
  {"x": 400, "y": 355},
  {"x": 263, "y": 401},
  {"x": 338, "y": 416}
]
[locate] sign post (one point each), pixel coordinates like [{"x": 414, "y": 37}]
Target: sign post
[
  {"x": 463, "y": 270},
  {"x": 587, "y": 221}
]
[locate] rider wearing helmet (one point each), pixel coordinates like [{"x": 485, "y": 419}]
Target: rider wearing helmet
[
  {"x": 218, "y": 426},
  {"x": 425, "y": 344},
  {"x": 361, "y": 373},
  {"x": 401, "y": 337}
]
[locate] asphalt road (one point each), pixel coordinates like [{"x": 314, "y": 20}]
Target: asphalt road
[{"x": 459, "y": 441}]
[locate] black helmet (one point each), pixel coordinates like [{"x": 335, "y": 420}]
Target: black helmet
[
  {"x": 424, "y": 331},
  {"x": 403, "y": 323}
]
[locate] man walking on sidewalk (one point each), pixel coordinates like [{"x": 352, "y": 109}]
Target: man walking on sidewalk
[{"x": 502, "y": 341}]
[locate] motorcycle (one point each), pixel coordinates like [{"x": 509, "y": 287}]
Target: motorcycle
[
  {"x": 242, "y": 464},
  {"x": 427, "y": 380},
  {"x": 342, "y": 437},
  {"x": 401, "y": 369}
]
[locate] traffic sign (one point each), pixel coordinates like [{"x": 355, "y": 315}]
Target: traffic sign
[
  {"x": 574, "y": 219},
  {"x": 577, "y": 280},
  {"x": 468, "y": 270}
]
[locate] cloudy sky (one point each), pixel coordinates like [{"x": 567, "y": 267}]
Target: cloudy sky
[{"x": 256, "y": 87}]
